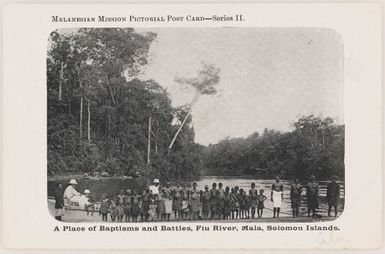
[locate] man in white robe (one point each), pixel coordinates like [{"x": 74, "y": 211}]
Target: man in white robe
[{"x": 71, "y": 195}]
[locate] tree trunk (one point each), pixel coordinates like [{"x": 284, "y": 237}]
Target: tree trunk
[
  {"x": 88, "y": 121},
  {"x": 69, "y": 107},
  {"x": 176, "y": 134},
  {"x": 61, "y": 80},
  {"x": 110, "y": 90},
  {"x": 108, "y": 120},
  {"x": 195, "y": 99},
  {"x": 81, "y": 117},
  {"x": 156, "y": 144},
  {"x": 109, "y": 125},
  {"x": 149, "y": 141},
  {"x": 81, "y": 108}
]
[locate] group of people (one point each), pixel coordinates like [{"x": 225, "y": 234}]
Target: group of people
[{"x": 158, "y": 203}]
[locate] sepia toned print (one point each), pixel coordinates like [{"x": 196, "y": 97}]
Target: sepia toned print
[{"x": 195, "y": 124}]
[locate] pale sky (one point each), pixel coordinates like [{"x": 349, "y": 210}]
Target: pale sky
[{"x": 269, "y": 77}]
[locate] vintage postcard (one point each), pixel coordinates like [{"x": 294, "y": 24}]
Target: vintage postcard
[{"x": 192, "y": 126}]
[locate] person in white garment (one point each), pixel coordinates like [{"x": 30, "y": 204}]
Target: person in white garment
[
  {"x": 71, "y": 195},
  {"x": 155, "y": 187},
  {"x": 276, "y": 196}
]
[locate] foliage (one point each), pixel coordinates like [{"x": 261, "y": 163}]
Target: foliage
[
  {"x": 206, "y": 81},
  {"x": 101, "y": 95},
  {"x": 315, "y": 146},
  {"x": 101, "y": 68}
]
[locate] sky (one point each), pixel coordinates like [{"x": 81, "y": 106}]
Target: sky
[{"x": 269, "y": 77}]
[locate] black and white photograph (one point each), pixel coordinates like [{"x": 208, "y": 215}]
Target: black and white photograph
[{"x": 195, "y": 124}]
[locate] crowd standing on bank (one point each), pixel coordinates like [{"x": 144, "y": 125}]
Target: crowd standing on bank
[{"x": 186, "y": 202}]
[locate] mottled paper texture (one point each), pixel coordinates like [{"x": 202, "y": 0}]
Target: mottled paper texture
[{"x": 233, "y": 72}]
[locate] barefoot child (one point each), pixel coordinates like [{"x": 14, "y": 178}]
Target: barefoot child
[
  {"x": 226, "y": 210},
  {"x": 119, "y": 211},
  {"x": 135, "y": 206},
  {"x": 234, "y": 203},
  {"x": 167, "y": 195},
  {"x": 185, "y": 207},
  {"x": 260, "y": 205},
  {"x": 160, "y": 204},
  {"x": 152, "y": 208},
  {"x": 221, "y": 201},
  {"x": 253, "y": 199},
  {"x": 90, "y": 205},
  {"x": 242, "y": 204},
  {"x": 127, "y": 205},
  {"x": 177, "y": 201},
  {"x": 113, "y": 209},
  {"x": 145, "y": 206},
  {"x": 194, "y": 201},
  {"x": 206, "y": 196},
  {"x": 214, "y": 202},
  {"x": 104, "y": 206}
]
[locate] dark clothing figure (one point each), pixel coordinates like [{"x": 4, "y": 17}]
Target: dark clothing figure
[
  {"x": 295, "y": 197},
  {"x": 333, "y": 195},
  {"x": 127, "y": 208},
  {"x": 253, "y": 194},
  {"x": 312, "y": 198},
  {"x": 104, "y": 206},
  {"x": 145, "y": 207},
  {"x": 59, "y": 203}
]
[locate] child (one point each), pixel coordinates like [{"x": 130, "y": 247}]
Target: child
[
  {"x": 260, "y": 205},
  {"x": 194, "y": 201},
  {"x": 253, "y": 199},
  {"x": 104, "y": 206},
  {"x": 242, "y": 204},
  {"x": 127, "y": 205},
  {"x": 145, "y": 206},
  {"x": 237, "y": 199},
  {"x": 152, "y": 208},
  {"x": 121, "y": 197},
  {"x": 167, "y": 202},
  {"x": 113, "y": 209},
  {"x": 221, "y": 201},
  {"x": 185, "y": 208},
  {"x": 205, "y": 199},
  {"x": 177, "y": 201},
  {"x": 160, "y": 204},
  {"x": 214, "y": 202},
  {"x": 135, "y": 206},
  {"x": 247, "y": 207},
  {"x": 226, "y": 204},
  {"x": 90, "y": 205},
  {"x": 119, "y": 211},
  {"x": 234, "y": 203}
]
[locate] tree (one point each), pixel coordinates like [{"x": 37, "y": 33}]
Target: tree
[
  {"x": 101, "y": 73},
  {"x": 204, "y": 84},
  {"x": 314, "y": 146}
]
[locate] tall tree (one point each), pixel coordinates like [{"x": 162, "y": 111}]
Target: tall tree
[{"x": 204, "y": 84}]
